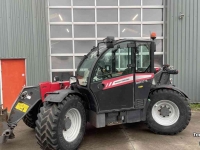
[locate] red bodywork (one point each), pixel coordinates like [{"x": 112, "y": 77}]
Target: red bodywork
[
  {"x": 52, "y": 86},
  {"x": 157, "y": 69},
  {"x": 109, "y": 83},
  {"x": 126, "y": 79}
]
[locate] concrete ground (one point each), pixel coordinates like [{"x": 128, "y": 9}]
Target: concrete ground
[{"x": 123, "y": 137}]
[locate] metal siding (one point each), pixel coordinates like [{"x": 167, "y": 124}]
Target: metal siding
[
  {"x": 198, "y": 53},
  {"x": 23, "y": 34},
  {"x": 183, "y": 45}
]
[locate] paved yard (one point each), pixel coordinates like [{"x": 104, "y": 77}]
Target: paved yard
[{"x": 124, "y": 137}]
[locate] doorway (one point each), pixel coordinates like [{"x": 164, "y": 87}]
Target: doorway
[{"x": 13, "y": 78}]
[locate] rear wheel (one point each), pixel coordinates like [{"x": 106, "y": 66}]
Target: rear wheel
[
  {"x": 168, "y": 112},
  {"x": 61, "y": 125},
  {"x": 31, "y": 117}
]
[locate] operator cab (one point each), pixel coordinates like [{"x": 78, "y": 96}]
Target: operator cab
[
  {"x": 111, "y": 71},
  {"x": 114, "y": 58}
]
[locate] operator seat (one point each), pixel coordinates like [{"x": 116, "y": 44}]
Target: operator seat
[{"x": 127, "y": 71}]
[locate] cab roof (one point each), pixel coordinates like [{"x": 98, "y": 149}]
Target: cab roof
[{"x": 136, "y": 40}]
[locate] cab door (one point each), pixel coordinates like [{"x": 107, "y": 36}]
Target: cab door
[
  {"x": 143, "y": 74},
  {"x": 112, "y": 79}
]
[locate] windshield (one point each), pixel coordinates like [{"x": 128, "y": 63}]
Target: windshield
[{"x": 85, "y": 68}]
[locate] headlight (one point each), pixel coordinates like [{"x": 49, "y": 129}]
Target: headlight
[{"x": 25, "y": 95}]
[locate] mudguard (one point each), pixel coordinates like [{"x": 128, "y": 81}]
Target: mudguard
[
  {"x": 59, "y": 95},
  {"x": 170, "y": 87}
]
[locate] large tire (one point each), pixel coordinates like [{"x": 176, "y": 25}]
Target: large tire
[
  {"x": 53, "y": 130},
  {"x": 168, "y": 112},
  {"x": 31, "y": 117}
]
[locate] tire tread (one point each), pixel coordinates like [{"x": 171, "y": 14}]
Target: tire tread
[
  {"x": 46, "y": 124},
  {"x": 161, "y": 91},
  {"x": 30, "y": 118}
]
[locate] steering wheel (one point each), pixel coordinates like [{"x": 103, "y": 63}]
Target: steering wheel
[{"x": 103, "y": 72}]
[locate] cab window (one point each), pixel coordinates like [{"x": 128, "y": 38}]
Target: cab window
[
  {"x": 143, "y": 57},
  {"x": 113, "y": 63}
]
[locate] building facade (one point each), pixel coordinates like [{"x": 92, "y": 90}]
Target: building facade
[
  {"x": 75, "y": 26},
  {"x": 52, "y": 36}
]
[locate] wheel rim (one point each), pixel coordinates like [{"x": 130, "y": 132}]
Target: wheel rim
[
  {"x": 72, "y": 125},
  {"x": 165, "y": 112}
]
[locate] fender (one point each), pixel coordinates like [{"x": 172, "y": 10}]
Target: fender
[
  {"x": 170, "y": 87},
  {"x": 51, "y": 87},
  {"x": 59, "y": 95}
]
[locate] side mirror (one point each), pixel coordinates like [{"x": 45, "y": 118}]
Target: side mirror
[
  {"x": 56, "y": 78},
  {"x": 109, "y": 41},
  {"x": 72, "y": 80}
]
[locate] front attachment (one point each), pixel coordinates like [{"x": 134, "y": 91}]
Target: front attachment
[
  {"x": 5, "y": 131},
  {"x": 27, "y": 99}
]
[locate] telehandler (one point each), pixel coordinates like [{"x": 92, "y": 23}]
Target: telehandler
[{"x": 115, "y": 83}]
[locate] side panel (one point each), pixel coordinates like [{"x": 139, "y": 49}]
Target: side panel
[
  {"x": 13, "y": 79},
  {"x": 89, "y": 97},
  {"x": 142, "y": 92},
  {"x": 117, "y": 93},
  {"x": 117, "y": 117}
]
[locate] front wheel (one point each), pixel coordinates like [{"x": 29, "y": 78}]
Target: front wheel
[
  {"x": 168, "y": 112},
  {"x": 61, "y": 126}
]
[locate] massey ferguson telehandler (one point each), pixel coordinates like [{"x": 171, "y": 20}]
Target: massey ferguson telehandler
[{"x": 115, "y": 83}]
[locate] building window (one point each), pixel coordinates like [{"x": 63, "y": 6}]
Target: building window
[{"x": 75, "y": 26}]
